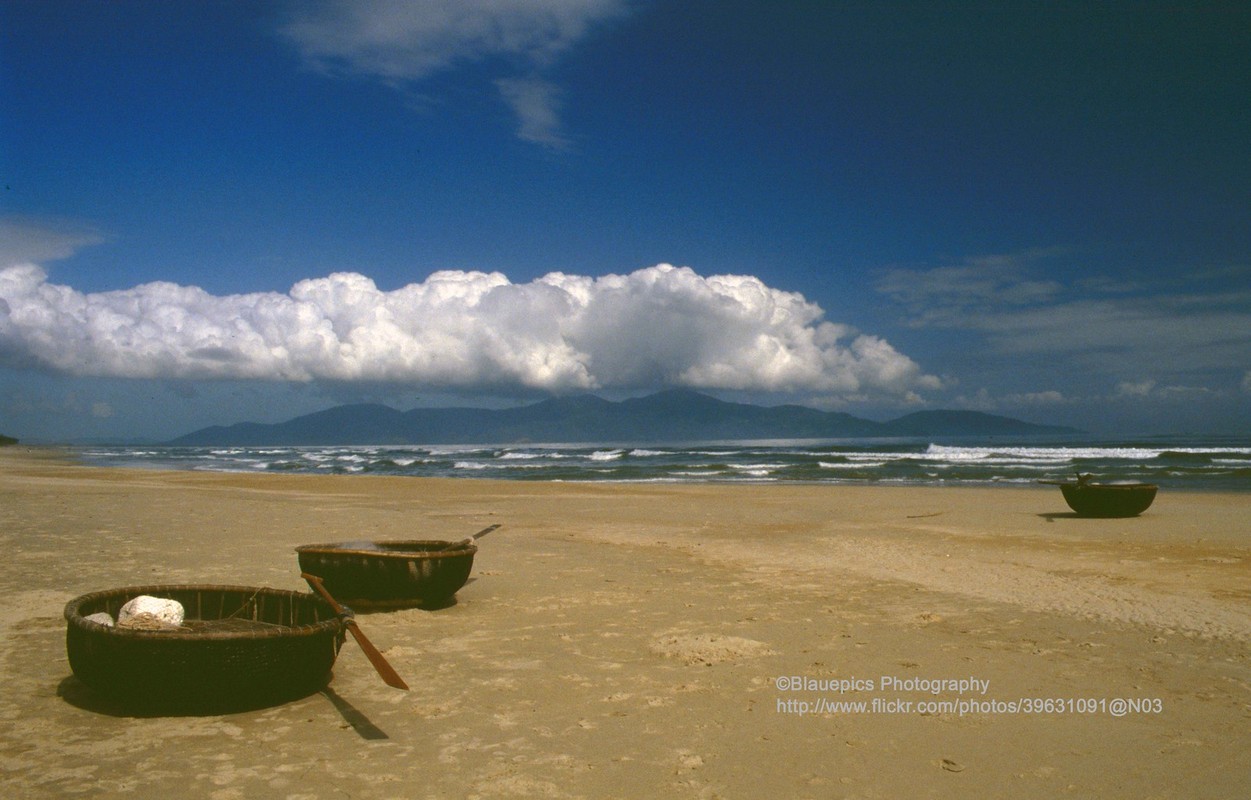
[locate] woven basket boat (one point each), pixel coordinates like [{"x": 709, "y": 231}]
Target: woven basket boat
[
  {"x": 389, "y": 574},
  {"x": 1109, "y": 499},
  {"x": 239, "y": 647}
]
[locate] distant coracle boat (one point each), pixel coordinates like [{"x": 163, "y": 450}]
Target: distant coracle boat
[
  {"x": 239, "y": 647},
  {"x": 390, "y": 574},
  {"x": 1108, "y": 500}
]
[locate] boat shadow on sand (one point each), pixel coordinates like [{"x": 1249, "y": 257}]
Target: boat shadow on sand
[{"x": 80, "y": 696}]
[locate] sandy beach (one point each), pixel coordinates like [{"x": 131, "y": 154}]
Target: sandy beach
[{"x": 645, "y": 641}]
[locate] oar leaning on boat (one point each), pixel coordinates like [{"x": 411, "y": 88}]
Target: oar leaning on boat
[
  {"x": 389, "y": 675},
  {"x": 468, "y": 541}
]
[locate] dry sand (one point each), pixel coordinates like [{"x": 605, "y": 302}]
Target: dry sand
[{"x": 628, "y": 641}]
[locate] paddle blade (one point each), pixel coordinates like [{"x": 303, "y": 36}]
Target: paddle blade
[
  {"x": 486, "y": 530},
  {"x": 389, "y": 676}
]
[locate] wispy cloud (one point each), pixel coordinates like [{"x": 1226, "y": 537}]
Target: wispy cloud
[
  {"x": 983, "y": 400},
  {"x": 32, "y": 239},
  {"x": 403, "y": 42},
  {"x": 1153, "y": 390},
  {"x": 660, "y": 326},
  {"x": 945, "y": 296},
  {"x": 1155, "y": 332},
  {"x": 536, "y": 104},
  {"x": 1134, "y": 388}
]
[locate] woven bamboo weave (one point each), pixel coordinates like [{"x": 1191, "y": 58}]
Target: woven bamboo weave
[{"x": 239, "y": 647}]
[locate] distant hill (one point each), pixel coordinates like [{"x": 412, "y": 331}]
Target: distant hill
[
  {"x": 7, "y": 440},
  {"x": 671, "y": 416}
]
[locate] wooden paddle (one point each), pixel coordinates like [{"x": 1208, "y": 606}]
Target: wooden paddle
[
  {"x": 479, "y": 534},
  {"x": 389, "y": 675}
]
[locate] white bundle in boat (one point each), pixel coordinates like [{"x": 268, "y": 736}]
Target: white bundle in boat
[
  {"x": 150, "y": 613},
  {"x": 102, "y": 617}
]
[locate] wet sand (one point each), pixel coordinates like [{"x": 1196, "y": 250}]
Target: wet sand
[{"x": 642, "y": 641}]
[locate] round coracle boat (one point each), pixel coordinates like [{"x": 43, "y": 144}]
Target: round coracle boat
[
  {"x": 237, "y": 647},
  {"x": 1112, "y": 499},
  {"x": 390, "y": 574}
]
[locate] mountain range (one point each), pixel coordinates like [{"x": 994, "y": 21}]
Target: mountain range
[{"x": 676, "y": 415}]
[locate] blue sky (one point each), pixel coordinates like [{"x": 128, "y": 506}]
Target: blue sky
[{"x": 215, "y": 212}]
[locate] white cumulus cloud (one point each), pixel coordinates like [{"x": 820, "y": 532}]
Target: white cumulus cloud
[{"x": 660, "y": 326}]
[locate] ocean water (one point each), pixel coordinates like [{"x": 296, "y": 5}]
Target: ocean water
[{"x": 1223, "y": 465}]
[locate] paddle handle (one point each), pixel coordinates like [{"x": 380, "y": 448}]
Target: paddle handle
[
  {"x": 469, "y": 540},
  {"x": 389, "y": 675}
]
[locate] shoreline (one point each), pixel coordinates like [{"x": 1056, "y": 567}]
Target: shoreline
[
  {"x": 629, "y": 640},
  {"x": 73, "y": 454}
]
